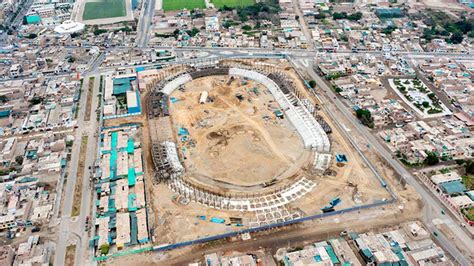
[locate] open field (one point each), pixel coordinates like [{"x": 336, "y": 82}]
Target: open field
[
  {"x": 241, "y": 143},
  {"x": 169, "y": 5},
  {"x": 232, "y": 3},
  {"x": 98, "y": 9},
  {"x": 76, "y": 207}
]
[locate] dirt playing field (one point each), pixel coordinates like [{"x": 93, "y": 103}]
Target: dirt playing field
[{"x": 234, "y": 142}]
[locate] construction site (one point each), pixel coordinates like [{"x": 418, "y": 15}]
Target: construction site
[{"x": 241, "y": 144}]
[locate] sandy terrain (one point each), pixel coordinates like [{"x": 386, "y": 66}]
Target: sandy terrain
[
  {"x": 177, "y": 222},
  {"x": 444, "y": 4},
  {"x": 241, "y": 143}
]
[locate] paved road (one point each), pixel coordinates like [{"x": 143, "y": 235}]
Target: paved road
[
  {"x": 218, "y": 53},
  {"x": 65, "y": 219},
  {"x": 71, "y": 230},
  {"x": 17, "y": 20},
  {"x": 144, "y": 23},
  {"x": 256, "y": 52},
  {"x": 302, "y": 22},
  {"x": 87, "y": 188},
  {"x": 429, "y": 200}
]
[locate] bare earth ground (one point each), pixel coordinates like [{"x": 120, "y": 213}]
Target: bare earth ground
[
  {"x": 310, "y": 232},
  {"x": 241, "y": 143},
  {"x": 444, "y": 4},
  {"x": 70, "y": 252}
]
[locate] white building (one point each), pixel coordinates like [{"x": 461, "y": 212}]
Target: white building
[{"x": 69, "y": 27}]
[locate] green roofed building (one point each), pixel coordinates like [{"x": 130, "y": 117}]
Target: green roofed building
[
  {"x": 122, "y": 85},
  {"x": 389, "y": 12},
  {"x": 33, "y": 19},
  {"x": 332, "y": 255},
  {"x": 5, "y": 113},
  {"x": 453, "y": 188}
]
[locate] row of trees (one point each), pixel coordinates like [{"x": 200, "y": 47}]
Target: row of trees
[
  {"x": 256, "y": 11},
  {"x": 344, "y": 15}
]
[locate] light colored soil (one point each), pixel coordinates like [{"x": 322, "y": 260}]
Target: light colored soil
[
  {"x": 87, "y": 115},
  {"x": 234, "y": 143},
  {"x": 76, "y": 207},
  {"x": 176, "y": 222},
  {"x": 70, "y": 254},
  {"x": 444, "y": 4},
  {"x": 353, "y": 182},
  {"x": 379, "y": 94}
]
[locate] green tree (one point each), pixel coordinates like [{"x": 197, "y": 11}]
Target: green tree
[
  {"x": 32, "y": 36},
  {"x": 36, "y": 100},
  {"x": 312, "y": 84},
  {"x": 337, "y": 15},
  {"x": 19, "y": 159},
  {"x": 104, "y": 249},
  {"x": 388, "y": 30},
  {"x": 355, "y": 16},
  {"x": 365, "y": 117},
  {"x": 99, "y": 31},
  {"x": 246, "y": 27},
  {"x": 320, "y": 15},
  {"x": 427, "y": 35},
  {"x": 176, "y": 33},
  {"x": 193, "y": 32},
  {"x": 456, "y": 37},
  {"x": 431, "y": 158},
  {"x": 470, "y": 167}
]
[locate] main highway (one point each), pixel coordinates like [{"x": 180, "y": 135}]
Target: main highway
[
  {"x": 144, "y": 23},
  {"x": 72, "y": 229}
]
